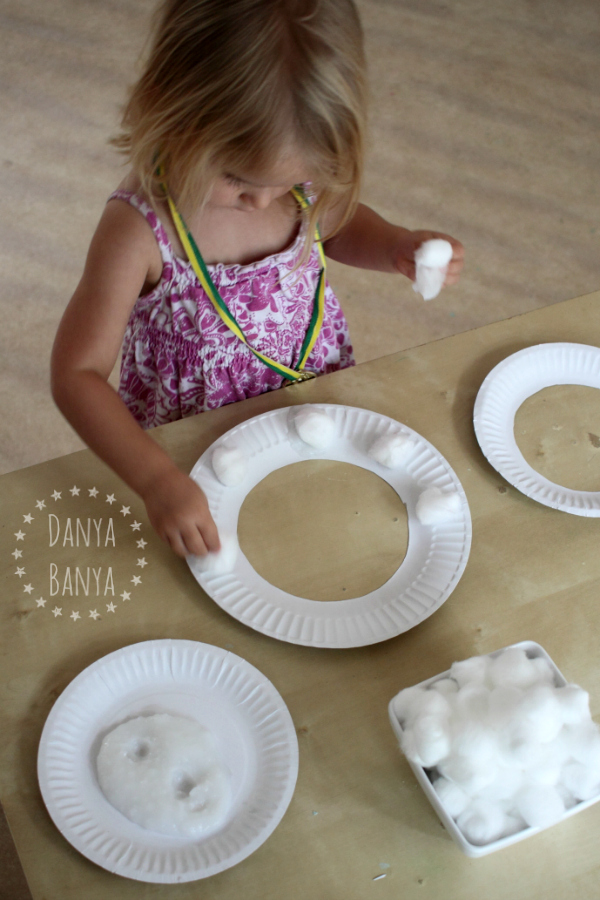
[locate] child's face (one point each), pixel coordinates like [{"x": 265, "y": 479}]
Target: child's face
[{"x": 251, "y": 191}]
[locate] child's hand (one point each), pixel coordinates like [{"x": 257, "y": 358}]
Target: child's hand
[
  {"x": 410, "y": 242},
  {"x": 178, "y": 511}
]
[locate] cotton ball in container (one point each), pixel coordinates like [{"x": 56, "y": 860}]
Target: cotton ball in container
[
  {"x": 407, "y": 703},
  {"x": 432, "y": 739},
  {"x": 391, "y": 450},
  {"x": 472, "y": 671},
  {"x": 482, "y": 821},
  {"x": 315, "y": 428},
  {"x": 539, "y": 715},
  {"x": 540, "y": 805},
  {"x": 574, "y": 704},
  {"x": 583, "y": 782},
  {"x": 435, "y": 506},
  {"x": 451, "y": 796},
  {"x": 431, "y": 265},
  {"x": 503, "y": 702},
  {"x": 512, "y": 667},
  {"x": 220, "y": 563},
  {"x": 507, "y": 781},
  {"x": 445, "y": 686},
  {"x": 583, "y": 742},
  {"x": 472, "y": 703},
  {"x": 229, "y": 465}
]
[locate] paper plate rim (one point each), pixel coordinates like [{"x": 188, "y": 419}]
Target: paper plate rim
[
  {"x": 506, "y": 387},
  {"x": 359, "y": 621}
]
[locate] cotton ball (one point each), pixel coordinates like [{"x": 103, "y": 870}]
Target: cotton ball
[
  {"x": 574, "y": 704},
  {"x": 583, "y": 742},
  {"x": 229, "y": 465},
  {"x": 472, "y": 671},
  {"x": 315, "y": 428},
  {"x": 507, "y": 781},
  {"x": 512, "y": 667},
  {"x": 220, "y": 563},
  {"x": 503, "y": 702},
  {"x": 431, "y": 265},
  {"x": 582, "y": 782},
  {"x": 432, "y": 739},
  {"x": 406, "y": 704},
  {"x": 543, "y": 669},
  {"x": 472, "y": 703},
  {"x": 446, "y": 686},
  {"x": 469, "y": 774},
  {"x": 481, "y": 822},
  {"x": 432, "y": 703},
  {"x": 548, "y": 768},
  {"x": 566, "y": 796},
  {"x": 391, "y": 450},
  {"x": 540, "y": 805},
  {"x": 408, "y": 745},
  {"x": 473, "y": 741},
  {"x": 539, "y": 714},
  {"x": 451, "y": 796},
  {"x": 435, "y": 506}
]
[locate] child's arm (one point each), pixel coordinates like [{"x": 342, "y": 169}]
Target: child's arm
[
  {"x": 369, "y": 242},
  {"x": 123, "y": 256}
]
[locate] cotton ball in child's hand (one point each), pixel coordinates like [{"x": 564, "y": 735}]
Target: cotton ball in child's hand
[
  {"x": 315, "y": 428},
  {"x": 431, "y": 265},
  {"x": 229, "y": 465},
  {"x": 540, "y": 805},
  {"x": 391, "y": 450},
  {"x": 220, "y": 563},
  {"x": 481, "y": 822},
  {"x": 451, "y": 796},
  {"x": 435, "y": 506}
]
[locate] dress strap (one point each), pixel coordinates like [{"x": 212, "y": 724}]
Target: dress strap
[{"x": 149, "y": 214}]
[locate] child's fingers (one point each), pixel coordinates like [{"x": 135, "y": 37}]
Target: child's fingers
[
  {"x": 210, "y": 535},
  {"x": 175, "y": 542}
]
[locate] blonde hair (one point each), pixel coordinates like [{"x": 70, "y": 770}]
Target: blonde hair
[{"x": 229, "y": 83}]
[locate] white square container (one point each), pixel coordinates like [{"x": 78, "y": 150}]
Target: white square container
[{"x": 532, "y": 650}]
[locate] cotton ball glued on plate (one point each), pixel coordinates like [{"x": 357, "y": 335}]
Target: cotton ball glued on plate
[
  {"x": 220, "y": 563},
  {"x": 164, "y": 773},
  {"x": 435, "y": 506},
  {"x": 229, "y": 465},
  {"x": 314, "y": 427},
  {"x": 391, "y": 450},
  {"x": 431, "y": 265}
]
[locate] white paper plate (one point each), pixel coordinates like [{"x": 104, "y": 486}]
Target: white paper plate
[
  {"x": 436, "y": 556},
  {"x": 506, "y": 387},
  {"x": 247, "y": 717},
  {"x": 533, "y": 651}
]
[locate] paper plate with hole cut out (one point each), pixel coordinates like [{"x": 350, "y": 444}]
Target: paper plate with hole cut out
[
  {"x": 250, "y": 724},
  {"x": 507, "y": 386},
  {"x": 435, "y": 559}
]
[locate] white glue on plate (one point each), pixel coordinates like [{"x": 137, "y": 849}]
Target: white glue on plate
[
  {"x": 164, "y": 773},
  {"x": 431, "y": 265}
]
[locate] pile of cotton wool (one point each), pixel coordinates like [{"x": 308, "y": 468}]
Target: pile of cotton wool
[
  {"x": 164, "y": 773},
  {"x": 504, "y": 747}
]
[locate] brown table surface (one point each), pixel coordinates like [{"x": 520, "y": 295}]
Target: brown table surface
[{"x": 357, "y": 811}]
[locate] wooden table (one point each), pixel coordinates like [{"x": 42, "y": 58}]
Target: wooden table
[{"x": 357, "y": 813}]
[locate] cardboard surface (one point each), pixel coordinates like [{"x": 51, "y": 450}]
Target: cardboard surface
[{"x": 357, "y": 812}]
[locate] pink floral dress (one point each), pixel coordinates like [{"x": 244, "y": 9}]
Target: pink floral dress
[{"x": 179, "y": 358}]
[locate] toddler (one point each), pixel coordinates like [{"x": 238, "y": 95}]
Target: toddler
[{"x": 244, "y": 137}]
